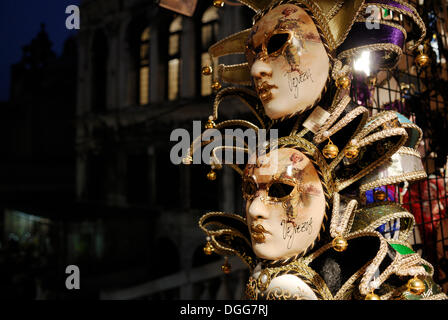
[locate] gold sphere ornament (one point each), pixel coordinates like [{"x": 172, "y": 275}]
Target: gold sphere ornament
[
  {"x": 210, "y": 124},
  {"x": 216, "y": 85},
  {"x": 422, "y": 60},
  {"x": 372, "y": 296},
  {"x": 379, "y": 195},
  {"x": 416, "y": 286},
  {"x": 351, "y": 152},
  {"x": 187, "y": 160},
  {"x": 211, "y": 175},
  {"x": 343, "y": 82},
  {"x": 218, "y": 3},
  {"x": 226, "y": 267},
  {"x": 330, "y": 151},
  {"x": 339, "y": 244},
  {"x": 208, "y": 249},
  {"x": 207, "y": 70}
]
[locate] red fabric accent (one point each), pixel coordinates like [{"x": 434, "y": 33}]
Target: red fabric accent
[{"x": 426, "y": 200}]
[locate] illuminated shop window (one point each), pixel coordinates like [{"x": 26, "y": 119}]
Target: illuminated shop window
[
  {"x": 144, "y": 67},
  {"x": 209, "y": 32},
  {"x": 174, "y": 58}
]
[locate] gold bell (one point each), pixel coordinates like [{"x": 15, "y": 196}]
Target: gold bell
[
  {"x": 216, "y": 85},
  {"x": 210, "y": 124},
  {"x": 372, "y": 296},
  {"x": 218, "y": 3},
  {"x": 208, "y": 249},
  {"x": 207, "y": 70},
  {"x": 379, "y": 195},
  {"x": 416, "y": 286},
  {"x": 226, "y": 267},
  {"x": 330, "y": 151},
  {"x": 339, "y": 244},
  {"x": 343, "y": 82},
  {"x": 422, "y": 60},
  {"x": 211, "y": 175},
  {"x": 351, "y": 152},
  {"x": 187, "y": 160}
]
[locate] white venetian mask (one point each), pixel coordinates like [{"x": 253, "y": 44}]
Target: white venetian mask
[
  {"x": 288, "y": 61},
  {"x": 285, "y": 203}
]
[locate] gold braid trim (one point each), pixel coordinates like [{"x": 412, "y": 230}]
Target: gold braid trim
[
  {"x": 334, "y": 10},
  {"x": 229, "y": 45},
  {"x": 366, "y": 285},
  {"x": 404, "y": 234},
  {"x": 381, "y": 135},
  {"x": 367, "y": 271},
  {"x": 347, "y": 287},
  {"x": 217, "y": 165},
  {"x": 336, "y": 112},
  {"x": 237, "y": 122},
  {"x": 387, "y": 23},
  {"x": 362, "y": 140},
  {"x": 352, "y": 115},
  {"x": 409, "y": 151},
  {"x": 341, "y": 222},
  {"x": 361, "y": 131},
  {"x": 349, "y": 118},
  {"x": 303, "y": 272},
  {"x": 439, "y": 296},
  {"x": 226, "y": 230},
  {"x": 408, "y": 176},
  {"x": 278, "y": 293},
  {"x": 408, "y": 125},
  {"x": 373, "y": 47},
  {"x": 414, "y": 16},
  {"x": 377, "y": 120},
  {"x": 234, "y": 92},
  {"x": 235, "y": 73}
]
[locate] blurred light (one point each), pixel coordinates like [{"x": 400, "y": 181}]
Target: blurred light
[
  {"x": 362, "y": 64},
  {"x": 435, "y": 47}
]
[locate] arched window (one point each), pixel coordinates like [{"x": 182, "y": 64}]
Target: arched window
[
  {"x": 209, "y": 33},
  {"x": 144, "y": 67},
  {"x": 100, "y": 55},
  {"x": 174, "y": 58}
]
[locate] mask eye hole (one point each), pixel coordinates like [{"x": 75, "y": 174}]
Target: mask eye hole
[
  {"x": 277, "y": 42},
  {"x": 249, "y": 189},
  {"x": 280, "y": 190}
]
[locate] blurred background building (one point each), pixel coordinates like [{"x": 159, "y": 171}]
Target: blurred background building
[{"x": 86, "y": 176}]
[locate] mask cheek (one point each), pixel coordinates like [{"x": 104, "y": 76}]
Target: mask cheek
[
  {"x": 291, "y": 207},
  {"x": 292, "y": 55},
  {"x": 306, "y": 200}
]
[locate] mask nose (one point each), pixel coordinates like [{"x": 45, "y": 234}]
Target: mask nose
[
  {"x": 257, "y": 209},
  {"x": 260, "y": 69}
]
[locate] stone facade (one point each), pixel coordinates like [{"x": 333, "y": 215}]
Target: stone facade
[{"x": 123, "y": 148}]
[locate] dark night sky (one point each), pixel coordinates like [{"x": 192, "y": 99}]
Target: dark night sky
[{"x": 20, "y": 22}]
